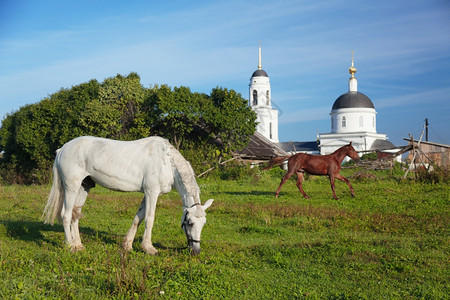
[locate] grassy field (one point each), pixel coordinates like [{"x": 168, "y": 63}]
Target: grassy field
[{"x": 390, "y": 242}]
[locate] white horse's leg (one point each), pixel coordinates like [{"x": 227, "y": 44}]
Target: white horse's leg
[
  {"x": 69, "y": 202},
  {"x": 129, "y": 237},
  {"x": 151, "y": 198},
  {"x": 76, "y": 215}
]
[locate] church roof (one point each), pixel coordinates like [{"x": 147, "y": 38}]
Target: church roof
[
  {"x": 352, "y": 100},
  {"x": 379, "y": 145},
  {"x": 260, "y": 73},
  {"x": 299, "y": 146},
  {"x": 260, "y": 147}
]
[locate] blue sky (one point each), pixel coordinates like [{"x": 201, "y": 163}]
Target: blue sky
[{"x": 402, "y": 53}]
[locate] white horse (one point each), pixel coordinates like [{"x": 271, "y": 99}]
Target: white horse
[{"x": 150, "y": 165}]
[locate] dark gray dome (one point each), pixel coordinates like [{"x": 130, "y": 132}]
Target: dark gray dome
[
  {"x": 260, "y": 73},
  {"x": 351, "y": 100}
]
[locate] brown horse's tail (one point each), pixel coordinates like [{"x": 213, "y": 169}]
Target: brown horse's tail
[{"x": 275, "y": 161}]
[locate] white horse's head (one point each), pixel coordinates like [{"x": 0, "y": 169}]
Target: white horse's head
[{"x": 192, "y": 222}]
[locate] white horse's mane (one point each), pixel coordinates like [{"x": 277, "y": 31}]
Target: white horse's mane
[{"x": 184, "y": 174}]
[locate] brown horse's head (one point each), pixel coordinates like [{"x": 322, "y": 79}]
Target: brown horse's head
[{"x": 351, "y": 152}]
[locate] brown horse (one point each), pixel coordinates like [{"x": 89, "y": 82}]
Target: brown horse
[{"x": 316, "y": 165}]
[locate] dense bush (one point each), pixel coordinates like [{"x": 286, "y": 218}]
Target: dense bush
[
  {"x": 203, "y": 127},
  {"x": 369, "y": 156},
  {"x": 434, "y": 175}
]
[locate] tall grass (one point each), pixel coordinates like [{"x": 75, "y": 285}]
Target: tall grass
[{"x": 391, "y": 241}]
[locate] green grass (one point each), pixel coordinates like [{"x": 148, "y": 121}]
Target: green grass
[{"x": 390, "y": 242}]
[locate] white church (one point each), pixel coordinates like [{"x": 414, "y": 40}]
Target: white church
[
  {"x": 353, "y": 119},
  {"x": 260, "y": 102}
]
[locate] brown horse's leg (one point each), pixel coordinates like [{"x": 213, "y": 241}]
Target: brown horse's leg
[
  {"x": 283, "y": 181},
  {"x": 332, "y": 186},
  {"x": 340, "y": 177},
  {"x": 299, "y": 184}
]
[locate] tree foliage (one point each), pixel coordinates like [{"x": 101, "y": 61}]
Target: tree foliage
[
  {"x": 229, "y": 118},
  {"x": 204, "y": 127}
]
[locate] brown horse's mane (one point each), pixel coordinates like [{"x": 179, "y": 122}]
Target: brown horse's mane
[
  {"x": 340, "y": 153},
  {"x": 343, "y": 148}
]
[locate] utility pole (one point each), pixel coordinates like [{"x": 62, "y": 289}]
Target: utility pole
[{"x": 426, "y": 129}]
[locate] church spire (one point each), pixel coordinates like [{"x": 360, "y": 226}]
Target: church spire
[
  {"x": 260, "y": 100},
  {"x": 259, "y": 57},
  {"x": 352, "y": 82}
]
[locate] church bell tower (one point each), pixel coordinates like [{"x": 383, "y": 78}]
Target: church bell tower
[{"x": 260, "y": 100}]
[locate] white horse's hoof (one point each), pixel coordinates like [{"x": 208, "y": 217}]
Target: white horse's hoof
[
  {"x": 150, "y": 250},
  {"x": 127, "y": 246},
  {"x": 77, "y": 248}
]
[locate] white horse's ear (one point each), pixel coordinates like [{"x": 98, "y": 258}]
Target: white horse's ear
[{"x": 207, "y": 204}]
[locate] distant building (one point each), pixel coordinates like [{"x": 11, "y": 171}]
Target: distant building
[
  {"x": 260, "y": 100},
  {"x": 353, "y": 119},
  {"x": 430, "y": 153},
  {"x": 261, "y": 149},
  {"x": 310, "y": 147}
]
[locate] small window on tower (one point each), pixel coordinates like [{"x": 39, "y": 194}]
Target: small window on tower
[
  {"x": 344, "y": 122},
  {"x": 270, "y": 132},
  {"x": 361, "y": 121},
  {"x": 255, "y": 97},
  {"x": 267, "y": 98}
]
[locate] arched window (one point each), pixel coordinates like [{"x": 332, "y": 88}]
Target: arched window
[
  {"x": 332, "y": 123},
  {"x": 361, "y": 121},
  {"x": 344, "y": 122},
  {"x": 373, "y": 122},
  {"x": 255, "y": 97},
  {"x": 267, "y": 97}
]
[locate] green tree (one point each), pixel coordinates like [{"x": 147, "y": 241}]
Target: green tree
[
  {"x": 202, "y": 126},
  {"x": 122, "y": 98},
  {"x": 71, "y": 106},
  {"x": 229, "y": 120},
  {"x": 176, "y": 112},
  {"x": 26, "y": 143},
  {"x": 223, "y": 118},
  {"x": 30, "y": 136}
]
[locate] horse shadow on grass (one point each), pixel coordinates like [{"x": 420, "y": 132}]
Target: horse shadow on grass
[
  {"x": 160, "y": 246},
  {"x": 33, "y": 231},
  {"x": 252, "y": 193}
]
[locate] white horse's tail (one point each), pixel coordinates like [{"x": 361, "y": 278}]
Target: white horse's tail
[{"x": 55, "y": 199}]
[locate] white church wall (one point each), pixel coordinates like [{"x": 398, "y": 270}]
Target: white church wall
[
  {"x": 267, "y": 119},
  {"x": 361, "y": 141},
  {"x": 353, "y": 120},
  {"x": 273, "y": 127}
]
